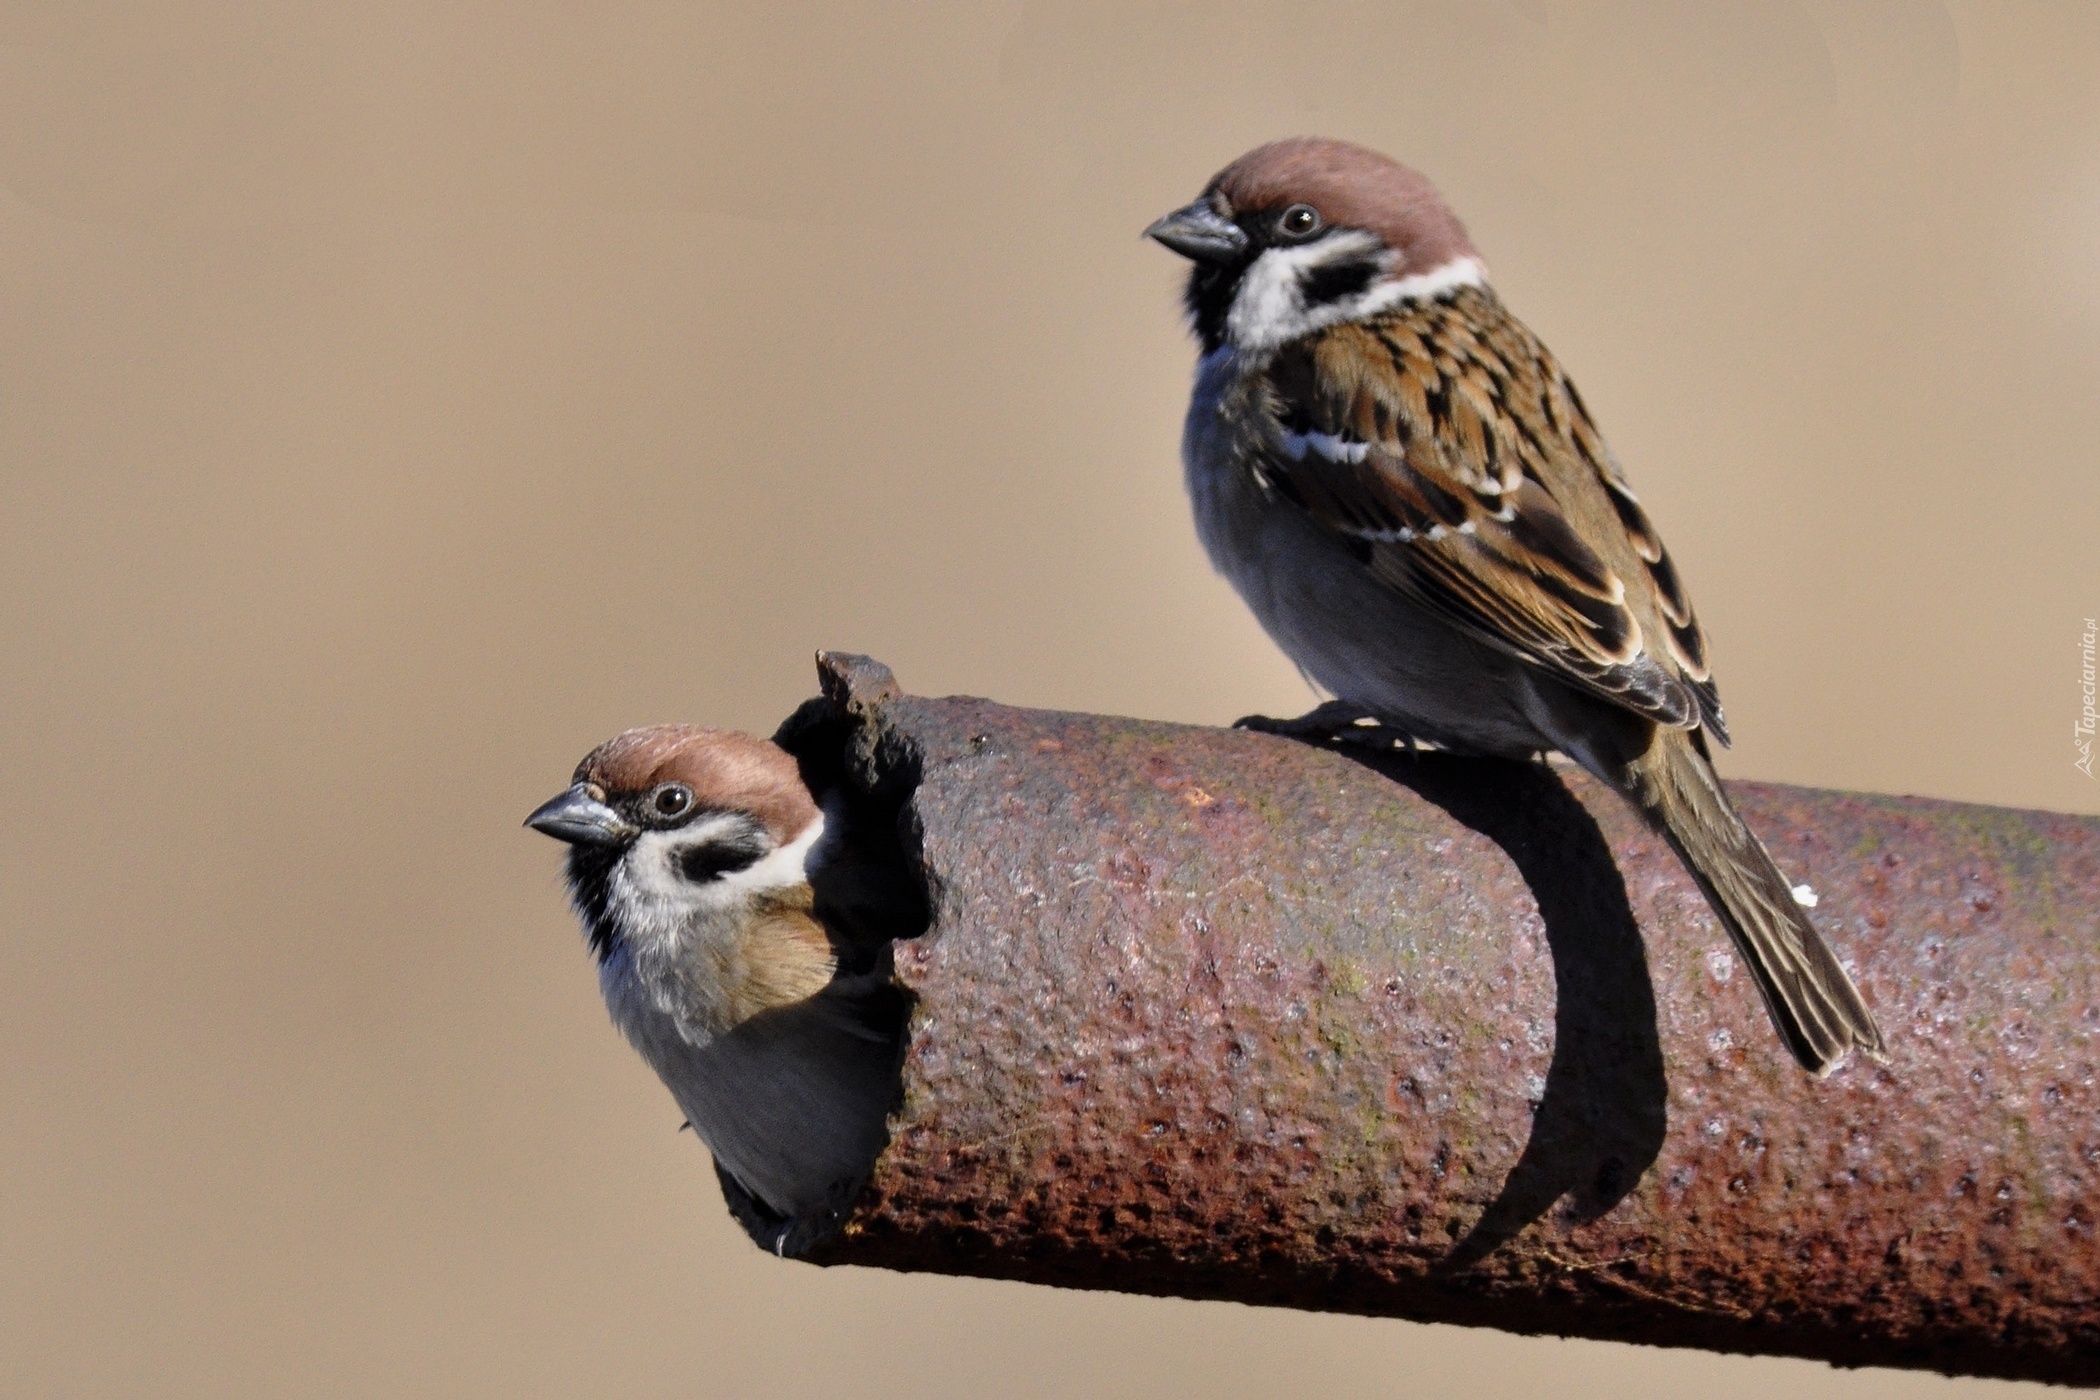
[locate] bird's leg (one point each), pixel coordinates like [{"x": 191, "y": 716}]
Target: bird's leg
[{"x": 1335, "y": 722}]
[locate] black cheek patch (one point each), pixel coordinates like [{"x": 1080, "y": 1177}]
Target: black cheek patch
[
  {"x": 1336, "y": 281},
  {"x": 711, "y": 860}
]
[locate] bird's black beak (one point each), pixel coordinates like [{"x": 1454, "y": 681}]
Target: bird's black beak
[
  {"x": 1200, "y": 234},
  {"x": 581, "y": 818}
]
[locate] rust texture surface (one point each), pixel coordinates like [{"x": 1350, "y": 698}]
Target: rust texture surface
[{"x": 1220, "y": 1015}]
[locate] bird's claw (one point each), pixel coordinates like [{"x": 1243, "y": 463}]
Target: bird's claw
[{"x": 1336, "y": 722}]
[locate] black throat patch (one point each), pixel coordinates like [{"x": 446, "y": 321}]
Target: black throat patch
[
  {"x": 1208, "y": 297},
  {"x": 590, "y": 890}
]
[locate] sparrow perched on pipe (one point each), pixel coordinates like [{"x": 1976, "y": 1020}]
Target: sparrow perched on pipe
[
  {"x": 1405, "y": 487},
  {"x": 739, "y": 928}
]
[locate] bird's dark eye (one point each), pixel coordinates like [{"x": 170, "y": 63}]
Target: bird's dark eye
[
  {"x": 1298, "y": 221},
  {"x": 671, "y": 800}
]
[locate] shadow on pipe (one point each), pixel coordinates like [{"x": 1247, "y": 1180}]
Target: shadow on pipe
[{"x": 1599, "y": 1123}]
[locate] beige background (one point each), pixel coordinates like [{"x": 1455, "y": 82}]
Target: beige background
[{"x": 395, "y": 399}]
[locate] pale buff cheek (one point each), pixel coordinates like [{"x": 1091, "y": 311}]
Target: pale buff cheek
[
  {"x": 1270, "y": 308},
  {"x": 682, "y": 940},
  {"x": 655, "y": 899},
  {"x": 650, "y": 895},
  {"x": 664, "y": 919}
]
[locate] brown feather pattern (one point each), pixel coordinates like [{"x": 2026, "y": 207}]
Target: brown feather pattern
[{"x": 1473, "y": 474}]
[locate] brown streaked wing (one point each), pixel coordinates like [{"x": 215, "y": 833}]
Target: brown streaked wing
[
  {"x": 1424, "y": 441},
  {"x": 1687, "y": 640}
]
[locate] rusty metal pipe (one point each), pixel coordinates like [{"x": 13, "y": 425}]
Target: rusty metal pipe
[{"x": 1219, "y": 1015}]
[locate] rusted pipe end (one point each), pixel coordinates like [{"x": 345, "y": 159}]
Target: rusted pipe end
[
  {"x": 1219, "y": 1015},
  {"x": 855, "y": 685}
]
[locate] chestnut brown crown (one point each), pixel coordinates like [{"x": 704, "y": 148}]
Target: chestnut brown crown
[
  {"x": 1351, "y": 187},
  {"x": 726, "y": 770}
]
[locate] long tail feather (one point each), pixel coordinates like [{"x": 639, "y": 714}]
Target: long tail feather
[{"x": 1817, "y": 1010}]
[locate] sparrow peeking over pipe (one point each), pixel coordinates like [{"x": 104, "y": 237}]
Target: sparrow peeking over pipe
[
  {"x": 1405, "y": 487},
  {"x": 740, "y": 929}
]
